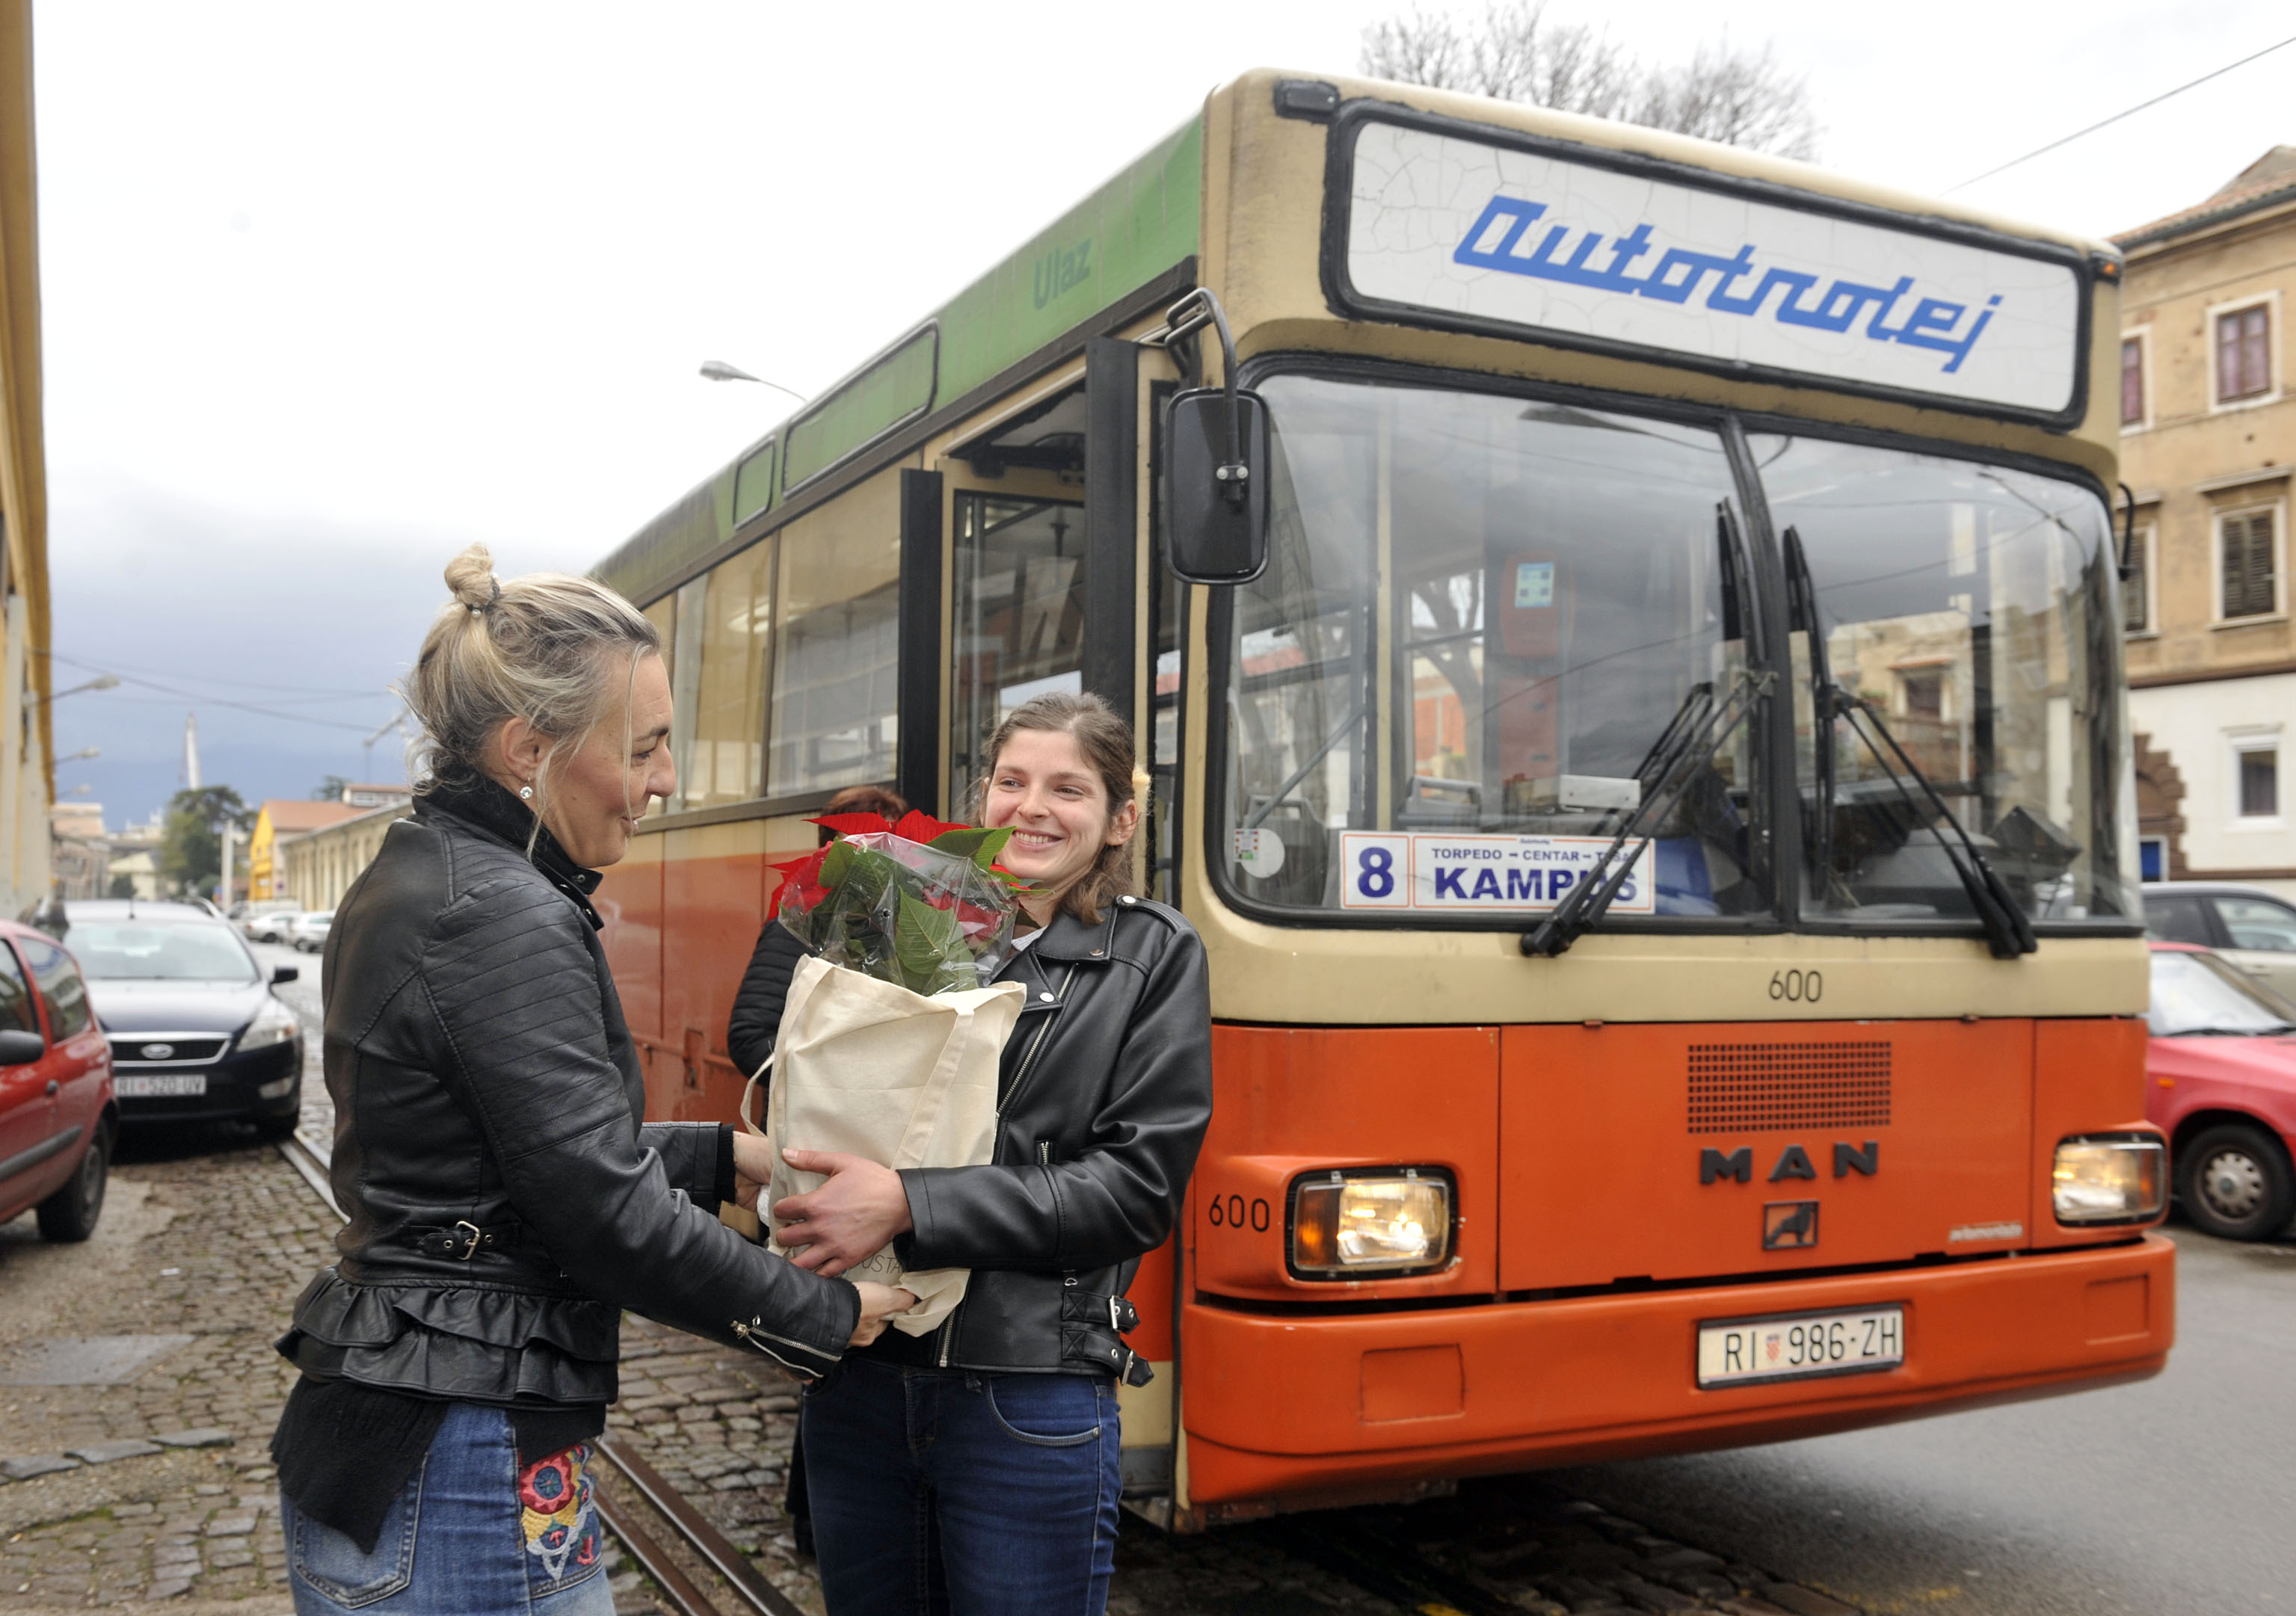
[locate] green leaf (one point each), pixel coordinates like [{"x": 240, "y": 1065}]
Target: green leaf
[
  {"x": 972, "y": 842},
  {"x": 924, "y": 939}
]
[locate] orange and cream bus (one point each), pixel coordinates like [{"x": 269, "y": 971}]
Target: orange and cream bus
[{"x": 1635, "y": 712}]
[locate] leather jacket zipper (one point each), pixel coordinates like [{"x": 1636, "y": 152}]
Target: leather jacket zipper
[{"x": 1044, "y": 1146}]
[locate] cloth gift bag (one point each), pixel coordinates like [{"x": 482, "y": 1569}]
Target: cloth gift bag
[{"x": 872, "y": 1069}]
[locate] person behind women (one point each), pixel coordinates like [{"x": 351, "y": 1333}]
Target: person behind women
[
  {"x": 506, "y": 1203},
  {"x": 975, "y": 1470},
  {"x": 757, "y": 1015},
  {"x": 751, "y": 1031}
]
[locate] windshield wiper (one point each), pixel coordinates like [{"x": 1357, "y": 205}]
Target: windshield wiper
[
  {"x": 1801, "y": 614},
  {"x": 2008, "y": 931},
  {"x": 1700, "y": 726},
  {"x": 1698, "y": 730}
]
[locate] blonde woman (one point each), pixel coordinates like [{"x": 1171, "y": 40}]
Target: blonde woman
[{"x": 506, "y": 1201}]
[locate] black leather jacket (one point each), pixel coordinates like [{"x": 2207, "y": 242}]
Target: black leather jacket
[
  {"x": 506, "y": 1203},
  {"x": 1103, "y": 1098}
]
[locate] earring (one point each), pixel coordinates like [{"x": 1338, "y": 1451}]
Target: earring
[{"x": 526, "y": 793}]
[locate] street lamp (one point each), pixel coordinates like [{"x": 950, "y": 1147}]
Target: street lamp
[
  {"x": 101, "y": 681},
  {"x": 73, "y": 757},
  {"x": 718, "y": 369}
]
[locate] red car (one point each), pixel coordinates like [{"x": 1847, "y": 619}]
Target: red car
[
  {"x": 2222, "y": 1063},
  {"x": 57, "y": 1112}
]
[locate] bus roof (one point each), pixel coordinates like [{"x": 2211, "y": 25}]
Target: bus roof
[{"x": 1130, "y": 238}]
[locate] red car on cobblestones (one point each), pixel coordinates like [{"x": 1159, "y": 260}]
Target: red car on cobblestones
[
  {"x": 57, "y": 1112},
  {"x": 2222, "y": 1065}
]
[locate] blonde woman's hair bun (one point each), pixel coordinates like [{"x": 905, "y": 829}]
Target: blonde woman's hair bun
[{"x": 471, "y": 578}]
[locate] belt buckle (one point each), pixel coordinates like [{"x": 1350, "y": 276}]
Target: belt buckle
[{"x": 471, "y": 1236}]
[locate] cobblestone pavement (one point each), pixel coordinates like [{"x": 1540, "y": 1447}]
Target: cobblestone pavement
[
  {"x": 202, "y": 1244},
  {"x": 159, "y": 1487}
]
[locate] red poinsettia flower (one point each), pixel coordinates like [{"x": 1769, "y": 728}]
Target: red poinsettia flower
[{"x": 802, "y": 871}]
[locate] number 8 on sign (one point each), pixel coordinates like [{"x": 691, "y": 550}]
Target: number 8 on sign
[{"x": 1378, "y": 871}]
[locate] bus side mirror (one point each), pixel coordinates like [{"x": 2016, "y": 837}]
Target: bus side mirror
[{"x": 1215, "y": 493}]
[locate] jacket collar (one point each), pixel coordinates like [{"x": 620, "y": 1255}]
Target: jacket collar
[
  {"x": 1069, "y": 938},
  {"x": 484, "y": 806}
]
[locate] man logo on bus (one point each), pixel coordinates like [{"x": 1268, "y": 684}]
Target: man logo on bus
[{"x": 1789, "y": 1225}]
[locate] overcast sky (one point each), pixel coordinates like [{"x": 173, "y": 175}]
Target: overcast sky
[{"x": 331, "y": 290}]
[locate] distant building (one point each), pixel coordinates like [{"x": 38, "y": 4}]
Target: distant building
[
  {"x": 135, "y": 869},
  {"x": 321, "y": 865},
  {"x": 278, "y": 823},
  {"x": 80, "y": 853},
  {"x": 2209, "y": 440}
]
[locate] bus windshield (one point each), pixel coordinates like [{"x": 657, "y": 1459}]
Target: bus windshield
[{"x": 1487, "y": 619}]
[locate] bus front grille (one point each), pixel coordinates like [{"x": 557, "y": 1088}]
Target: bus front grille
[{"x": 1756, "y": 1088}]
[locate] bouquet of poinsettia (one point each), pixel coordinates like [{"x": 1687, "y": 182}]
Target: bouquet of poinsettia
[
  {"x": 921, "y": 903},
  {"x": 892, "y": 1032}
]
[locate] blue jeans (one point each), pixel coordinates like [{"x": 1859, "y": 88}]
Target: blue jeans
[
  {"x": 473, "y": 1532},
  {"x": 977, "y": 1495}
]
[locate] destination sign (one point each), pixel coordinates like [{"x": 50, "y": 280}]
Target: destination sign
[
  {"x": 1431, "y": 872},
  {"x": 1531, "y": 240}
]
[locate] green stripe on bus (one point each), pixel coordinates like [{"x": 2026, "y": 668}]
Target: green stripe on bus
[{"x": 897, "y": 388}]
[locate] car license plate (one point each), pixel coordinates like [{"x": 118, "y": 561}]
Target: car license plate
[
  {"x": 1746, "y": 1351},
  {"x": 149, "y": 1085}
]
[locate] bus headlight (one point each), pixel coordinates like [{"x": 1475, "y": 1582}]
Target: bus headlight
[
  {"x": 2118, "y": 1179},
  {"x": 1377, "y": 1220}
]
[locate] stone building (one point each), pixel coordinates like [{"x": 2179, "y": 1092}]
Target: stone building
[{"x": 2209, "y": 437}]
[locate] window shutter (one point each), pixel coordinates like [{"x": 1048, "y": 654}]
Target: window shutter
[
  {"x": 2248, "y": 569},
  {"x": 2136, "y": 610}
]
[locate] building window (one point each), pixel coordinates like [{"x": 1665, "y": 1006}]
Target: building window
[
  {"x": 2244, "y": 353},
  {"x": 2250, "y": 575},
  {"x": 2132, "y": 381},
  {"x": 2151, "y": 860},
  {"x": 2260, "y": 781},
  {"x": 2136, "y": 589}
]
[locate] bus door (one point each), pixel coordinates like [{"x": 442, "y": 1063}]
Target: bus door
[{"x": 1053, "y": 587}]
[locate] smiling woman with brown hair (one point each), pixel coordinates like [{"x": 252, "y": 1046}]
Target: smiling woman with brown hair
[
  {"x": 976, "y": 1468},
  {"x": 505, "y": 1201}
]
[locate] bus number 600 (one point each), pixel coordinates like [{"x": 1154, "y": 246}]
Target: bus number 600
[
  {"x": 1801, "y": 987},
  {"x": 1231, "y": 1213}
]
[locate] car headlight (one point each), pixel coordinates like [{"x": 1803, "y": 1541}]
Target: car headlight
[
  {"x": 1381, "y": 1220},
  {"x": 274, "y": 1024},
  {"x": 2116, "y": 1179}
]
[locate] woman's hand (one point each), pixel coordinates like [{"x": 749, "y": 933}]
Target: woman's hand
[
  {"x": 753, "y": 1167},
  {"x": 850, "y": 1218},
  {"x": 879, "y": 1302}
]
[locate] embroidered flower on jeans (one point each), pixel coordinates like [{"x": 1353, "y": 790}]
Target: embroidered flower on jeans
[{"x": 556, "y": 1515}]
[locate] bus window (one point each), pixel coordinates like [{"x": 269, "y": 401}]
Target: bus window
[
  {"x": 1018, "y": 630},
  {"x": 1972, "y": 606},
  {"x": 836, "y": 644},
  {"x": 1479, "y": 616},
  {"x": 720, "y": 715}
]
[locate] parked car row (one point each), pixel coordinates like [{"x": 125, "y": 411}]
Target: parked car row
[
  {"x": 2220, "y": 1070},
  {"x": 304, "y": 930},
  {"x": 149, "y": 1012}
]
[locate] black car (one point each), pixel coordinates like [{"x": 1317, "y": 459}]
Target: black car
[{"x": 196, "y": 1032}]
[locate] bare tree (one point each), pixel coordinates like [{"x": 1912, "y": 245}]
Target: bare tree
[{"x": 1513, "y": 53}]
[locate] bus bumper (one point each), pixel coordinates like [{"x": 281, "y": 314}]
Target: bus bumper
[{"x": 1289, "y": 1412}]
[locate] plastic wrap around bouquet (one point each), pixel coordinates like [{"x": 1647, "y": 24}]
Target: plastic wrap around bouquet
[{"x": 891, "y": 1036}]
